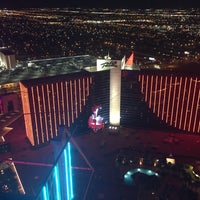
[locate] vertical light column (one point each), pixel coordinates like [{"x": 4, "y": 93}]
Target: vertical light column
[
  {"x": 57, "y": 182},
  {"x": 49, "y": 111},
  {"x": 84, "y": 97},
  {"x": 58, "y": 102},
  {"x": 183, "y": 103},
  {"x": 151, "y": 88},
  {"x": 187, "y": 105},
  {"x": 147, "y": 88},
  {"x": 71, "y": 100},
  {"x": 155, "y": 100},
  {"x": 68, "y": 172},
  {"x": 26, "y": 97},
  {"x": 63, "y": 104},
  {"x": 160, "y": 94},
  {"x": 75, "y": 97},
  {"x": 67, "y": 101},
  {"x": 173, "y": 102},
  {"x": 192, "y": 105},
  {"x": 45, "y": 114},
  {"x": 196, "y": 118},
  {"x": 80, "y": 95},
  {"x": 115, "y": 94},
  {"x": 164, "y": 97},
  {"x": 178, "y": 103},
  {"x": 54, "y": 108},
  {"x": 45, "y": 195}
]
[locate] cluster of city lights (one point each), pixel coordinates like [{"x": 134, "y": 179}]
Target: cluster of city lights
[
  {"x": 128, "y": 177},
  {"x": 113, "y": 127}
]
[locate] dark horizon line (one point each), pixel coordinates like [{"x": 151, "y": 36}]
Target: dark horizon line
[
  {"x": 123, "y": 4},
  {"x": 93, "y": 7}
]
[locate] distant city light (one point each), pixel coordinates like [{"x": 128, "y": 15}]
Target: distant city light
[
  {"x": 152, "y": 59},
  {"x": 186, "y": 52},
  {"x": 157, "y": 66}
]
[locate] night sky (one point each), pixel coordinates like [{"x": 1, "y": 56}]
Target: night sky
[{"x": 101, "y": 3}]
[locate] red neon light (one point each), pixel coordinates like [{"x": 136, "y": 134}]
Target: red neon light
[
  {"x": 159, "y": 101},
  {"x": 174, "y": 99},
  {"x": 130, "y": 60},
  {"x": 178, "y": 103},
  {"x": 192, "y": 106}
]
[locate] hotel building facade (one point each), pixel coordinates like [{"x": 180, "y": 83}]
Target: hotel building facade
[
  {"x": 145, "y": 98},
  {"x": 154, "y": 99}
]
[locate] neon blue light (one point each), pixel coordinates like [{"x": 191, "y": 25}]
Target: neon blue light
[
  {"x": 68, "y": 172},
  {"x": 44, "y": 191},
  {"x": 57, "y": 182},
  {"x": 128, "y": 176},
  {"x": 129, "y": 173}
]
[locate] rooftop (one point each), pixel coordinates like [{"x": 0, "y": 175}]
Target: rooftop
[
  {"x": 33, "y": 69},
  {"x": 32, "y": 164}
]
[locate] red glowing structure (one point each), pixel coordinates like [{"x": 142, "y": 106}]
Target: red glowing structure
[
  {"x": 174, "y": 99},
  {"x": 130, "y": 61},
  {"x": 95, "y": 121}
]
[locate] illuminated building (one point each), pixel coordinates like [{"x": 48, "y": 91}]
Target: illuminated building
[
  {"x": 114, "y": 66},
  {"x": 53, "y": 102},
  {"x": 7, "y": 58},
  {"x": 166, "y": 97},
  {"x": 115, "y": 94},
  {"x": 59, "y": 183},
  {"x": 145, "y": 98},
  {"x": 10, "y": 180},
  {"x": 173, "y": 98},
  {"x": 56, "y": 178},
  {"x": 95, "y": 121}
]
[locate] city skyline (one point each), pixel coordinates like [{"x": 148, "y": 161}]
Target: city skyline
[{"x": 49, "y": 88}]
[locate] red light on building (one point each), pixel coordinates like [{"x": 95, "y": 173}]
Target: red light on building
[
  {"x": 47, "y": 104},
  {"x": 95, "y": 121},
  {"x": 130, "y": 61},
  {"x": 174, "y": 99}
]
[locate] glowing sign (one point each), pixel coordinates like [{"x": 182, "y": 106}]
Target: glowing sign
[
  {"x": 107, "y": 64},
  {"x": 95, "y": 121},
  {"x": 111, "y": 63}
]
